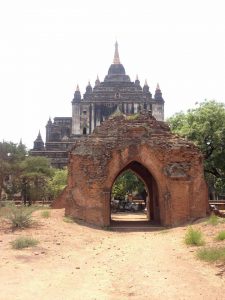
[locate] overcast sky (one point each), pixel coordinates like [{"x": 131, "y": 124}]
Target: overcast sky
[{"x": 47, "y": 47}]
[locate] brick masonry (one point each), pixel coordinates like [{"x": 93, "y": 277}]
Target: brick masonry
[{"x": 171, "y": 167}]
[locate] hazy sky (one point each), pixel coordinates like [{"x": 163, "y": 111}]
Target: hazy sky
[{"x": 47, "y": 47}]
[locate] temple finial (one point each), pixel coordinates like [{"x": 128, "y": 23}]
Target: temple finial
[
  {"x": 116, "y": 59},
  {"x": 157, "y": 87},
  {"x": 137, "y": 77},
  {"x": 146, "y": 82},
  {"x": 39, "y": 138},
  {"x": 77, "y": 89},
  {"x": 97, "y": 81}
]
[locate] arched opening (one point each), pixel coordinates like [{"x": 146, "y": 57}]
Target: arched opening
[
  {"x": 139, "y": 196},
  {"x": 84, "y": 131}
]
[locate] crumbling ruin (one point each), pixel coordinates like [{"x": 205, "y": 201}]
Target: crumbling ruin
[{"x": 171, "y": 168}]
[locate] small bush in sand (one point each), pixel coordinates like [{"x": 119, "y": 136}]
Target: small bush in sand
[
  {"x": 211, "y": 254},
  {"x": 194, "y": 237},
  {"x": 221, "y": 236},
  {"x": 213, "y": 220},
  {"x": 20, "y": 217},
  {"x": 24, "y": 242},
  {"x": 45, "y": 214}
]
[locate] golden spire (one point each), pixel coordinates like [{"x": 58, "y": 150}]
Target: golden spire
[{"x": 116, "y": 59}]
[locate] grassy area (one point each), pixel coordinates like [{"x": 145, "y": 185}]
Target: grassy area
[
  {"x": 211, "y": 254},
  {"x": 24, "y": 242},
  {"x": 221, "y": 236},
  {"x": 194, "y": 237}
]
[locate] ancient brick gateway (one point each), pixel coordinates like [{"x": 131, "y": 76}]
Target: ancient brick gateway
[{"x": 171, "y": 168}]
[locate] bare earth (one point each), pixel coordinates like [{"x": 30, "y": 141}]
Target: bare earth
[{"x": 78, "y": 262}]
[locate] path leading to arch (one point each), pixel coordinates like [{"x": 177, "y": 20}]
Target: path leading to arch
[
  {"x": 78, "y": 262},
  {"x": 129, "y": 216}
]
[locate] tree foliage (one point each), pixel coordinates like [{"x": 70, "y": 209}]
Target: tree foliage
[
  {"x": 127, "y": 183},
  {"x": 58, "y": 182},
  {"x": 11, "y": 155},
  {"x": 205, "y": 126},
  {"x": 31, "y": 176},
  {"x": 36, "y": 171}
]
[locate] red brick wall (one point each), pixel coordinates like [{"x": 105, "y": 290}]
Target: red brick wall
[{"x": 95, "y": 162}]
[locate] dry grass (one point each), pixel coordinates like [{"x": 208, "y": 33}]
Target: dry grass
[
  {"x": 211, "y": 254},
  {"x": 24, "y": 242},
  {"x": 221, "y": 236},
  {"x": 194, "y": 237}
]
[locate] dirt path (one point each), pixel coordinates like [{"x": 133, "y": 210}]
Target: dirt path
[{"x": 78, "y": 262}]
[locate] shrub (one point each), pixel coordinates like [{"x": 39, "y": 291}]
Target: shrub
[
  {"x": 24, "y": 242},
  {"x": 221, "y": 235},
  {"x": 213, "y": 220},
  {"x": 20, "y": 217},
  {"x": 194, "y": 237},
  {"x": 211, "y": 254},
  {"x": 45, "y": 214}
]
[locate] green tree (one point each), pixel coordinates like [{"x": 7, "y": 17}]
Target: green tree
[
  {"x": 127, "y": 183},
  {"x": 33, "y": 176},
  {"x": 11, "y": 155},
  {"x": 36, "y": 171},
  {"x": 205, "y": 126},
  {"x": 58, "y": 182}
]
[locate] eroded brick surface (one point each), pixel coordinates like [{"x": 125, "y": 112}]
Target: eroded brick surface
[{"x": 171, "y": 167}]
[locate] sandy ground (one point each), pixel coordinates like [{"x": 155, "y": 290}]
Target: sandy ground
[{"x": 78, "y": 262}]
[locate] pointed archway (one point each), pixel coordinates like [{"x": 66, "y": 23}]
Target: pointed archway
[
  {"x": 170, "y": 167},
  {"x": 152, "y": 201}
]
